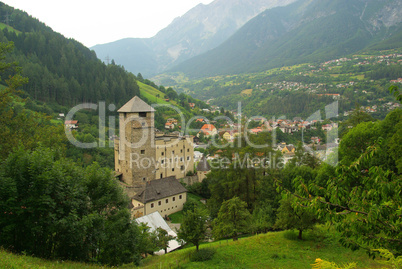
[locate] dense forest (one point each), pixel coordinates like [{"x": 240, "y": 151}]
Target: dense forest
[{"x": 62, "y": 70}]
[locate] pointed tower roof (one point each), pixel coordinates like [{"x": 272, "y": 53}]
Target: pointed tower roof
[
  {"x": 136, "y": 105},
  {"x": 203, "y": 165}
]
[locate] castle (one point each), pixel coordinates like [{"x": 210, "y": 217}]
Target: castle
[{"x": 148, "y": 163}]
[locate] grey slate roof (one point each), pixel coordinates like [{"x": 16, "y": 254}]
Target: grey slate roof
[
  {"x": 159, "y": 189},
  {"x": 136, "y": 105},
  {"x": 203, "y": 165}
]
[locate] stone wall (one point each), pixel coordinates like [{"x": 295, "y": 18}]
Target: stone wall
[{"x": 190, "y": 180}]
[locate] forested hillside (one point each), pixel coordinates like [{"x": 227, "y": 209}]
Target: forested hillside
[{"x": 62, "y": 70}]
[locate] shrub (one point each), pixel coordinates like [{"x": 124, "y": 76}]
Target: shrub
[{"x": 202, "y": 255}]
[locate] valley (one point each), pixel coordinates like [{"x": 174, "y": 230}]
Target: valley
[
  {"x": 300, "y": 90},
  {"x": 266, "y": 133}
]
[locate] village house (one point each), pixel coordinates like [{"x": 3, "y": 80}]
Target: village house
[
  {"x": 288, "y": 129},
  {"x": 315, "y": 140},
  {"x": 229, "y": 135},
  {"x": 256, "y": 130},
  {"x": 329, "y": 127},
  {"x": 71, "y": 124},
  {"x": 172, "y": 120},
  {"x": 208, "y": 130},
  {"x": 199, "y": 120},
  {"x": 288, "y": 149},
  {"x": 169, "y": 125}
]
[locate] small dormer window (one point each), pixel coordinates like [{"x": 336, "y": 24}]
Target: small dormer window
[{"x": 143, "y": 114}]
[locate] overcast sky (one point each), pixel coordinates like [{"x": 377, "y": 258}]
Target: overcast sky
[{"x": 97, "y": 22}]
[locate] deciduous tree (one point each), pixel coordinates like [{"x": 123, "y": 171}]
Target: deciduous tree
[
  {"x": 233, "y": 219},
  {"x": 193, "y": 227}
]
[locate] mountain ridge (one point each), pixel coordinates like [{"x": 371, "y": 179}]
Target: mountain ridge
[
  {"x": 202, "y": 28},
  {"x": 304, "y": 31}
]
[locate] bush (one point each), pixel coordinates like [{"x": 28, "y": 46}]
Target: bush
[{"x": 202, "y": 255}]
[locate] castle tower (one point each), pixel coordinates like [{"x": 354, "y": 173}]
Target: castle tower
[{"x": 135, "y": 149}]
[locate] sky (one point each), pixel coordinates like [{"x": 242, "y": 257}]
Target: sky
[{"x": 93, "y": 22}]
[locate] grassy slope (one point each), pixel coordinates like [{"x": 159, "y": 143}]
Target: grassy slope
[
  {"x": 8, "y": 260},
  {"x": 11, "y": 29},
  {"x": 272, "y": 250},
  {"x": 150, "y": 93}
]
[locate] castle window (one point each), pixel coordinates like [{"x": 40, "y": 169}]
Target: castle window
[
  {"x": 159, "y": 203},
  {"x": 162, "y": 153},
  {"x": 167, "y": 200},
  {"x": 172, "y": 169},
  {"x": 162, "y": 161},
  {"x": 188, "y": 158},
  {"x": 161, "y": 175},
  {"x": 152, "y": 205},
  {"x": 143, "y": 151},
  {"x": 182, "y": 167},
  {"x": 172, "y": 152},
  {"x": 180, "y": 196},
  {"x": 181, "y": 151},
  {"x": 144, "y": 179},
  {"x": 188, "y": 150},
  {"x": 174, "y": 199},
  {"x": 142, "y": 114}
]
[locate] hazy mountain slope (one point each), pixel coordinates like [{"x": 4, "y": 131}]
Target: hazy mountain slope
[
  {"x": 135, "y": 54},
  {"x": 308, "y": 30},
  {"x": 202, "y": 28}
]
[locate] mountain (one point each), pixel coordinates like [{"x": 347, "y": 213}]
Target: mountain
[
  {"x": 202, "y": 28},
  {"x": 304, "y": 31}
]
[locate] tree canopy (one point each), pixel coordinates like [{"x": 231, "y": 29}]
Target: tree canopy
[
  {"x": 53, "y": 208},
  {"x": 233, "y": 219}
]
